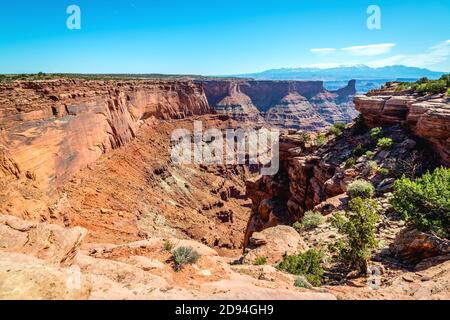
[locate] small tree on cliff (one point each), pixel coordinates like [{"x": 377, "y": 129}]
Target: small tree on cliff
[{"x": 358, "y": 226}]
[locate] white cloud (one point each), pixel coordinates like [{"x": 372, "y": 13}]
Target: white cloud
[
  {"x": 434, "y": 55},
  {"x": 370, "y": 50},
  {"x": 323, "y": 50},
  {"x": 367, "y": 50}
]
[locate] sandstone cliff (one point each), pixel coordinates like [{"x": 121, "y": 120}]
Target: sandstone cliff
[
  {"x": 426, "y": 116},
  {"x": 303, "y": 105},
  {"x": 51, "y": 129}
]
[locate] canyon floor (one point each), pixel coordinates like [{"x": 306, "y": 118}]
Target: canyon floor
[{"x": 92, "y": 206}]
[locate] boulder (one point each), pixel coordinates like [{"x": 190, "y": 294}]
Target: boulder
[
  {"x": 274, "y": 243},
  {"x": 48, "y": 242},
  {"x": 413, "y": 246}
]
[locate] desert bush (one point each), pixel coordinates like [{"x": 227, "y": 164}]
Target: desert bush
[
  {"x": 372, "y": 165},
  {"x": 312, "y": 220},
  {"x": 360, "y": 188},
  {"x": 425, "y": 203},
  {"x": 385, "y": 143},
  {"x": 184, "y": 255},
  {"x": 432, "y": 87},
  {"x": 321, "y": 140},
  {"x": 369, "y": 154},
  {"x": 375, "y": 133},
  {"x": 350, "y": 162},
  {"x": 297, "y": 226},
  {"x": 260, "y": 261},
  {"x": 358, "y": 226},
  {"x": 304, "y": 137},
  {"x": 383, "y": 171},
  {"x": 359, "y": 126},
  {"x": 359, "y": 151},
  {"x": 168, "y": 245},
  {"x": 302, "y": 282},
  {"x": 336, "y": 129},
  {"x": 446, "y": 78},
  {"x": 307, "y": 264}
]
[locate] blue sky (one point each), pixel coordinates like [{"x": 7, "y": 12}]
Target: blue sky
[{"x": 220, "y": 37}]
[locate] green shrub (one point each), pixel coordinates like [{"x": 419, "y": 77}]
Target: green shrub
[
  {"x": 359, "y": 151},
  {"x": 337, "y": 129},
  {"x": 312, "y": 220},
  {"x": 369, "y": 154},
  {"x": 372, "y": 165},
  {"x": 304, "y": 137},
  {"x": 359, "y": 126},
  {"x": 302, "y": 282},
  {"x": 375, "y": 133},
  {"x": 425, "y": 203},
  {"x": 321, "y": 140},
  {"x": 260, "y": 261},
  {"x": 350, "y": 162},
  {"x": 307, "y": 264},
  {"x": 385, "y": 143},
  {"x": 360, "y": 188},
  {"x": 383, "y": 171},
  {"x": 448, "y": 92},
  {"x": 184, "y": 255},
  {"x": 168, "y": 245},
  {"x": 446, "y": 78},
  {"x": 297, "y": 226},
  {"x": 432, "y": 87},
  {"x": 358, "y": 227}
]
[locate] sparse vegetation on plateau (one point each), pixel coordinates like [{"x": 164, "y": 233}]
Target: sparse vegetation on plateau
[
  {"x": 426, "y": 86},
  {"x": 360, "y": 189},
  {"x": 260, "y": 261},
  {"x": 321, "y": 139},
  {"x": 312, "y": 220},
  {"x": 304, "y": 137},
  {"x": 425, "y": 203},
  {"x": 375, "y": 133},
  {"x": 358, "y": 226},
  {"x": 385, "y": 143},
  {"x": 168, "y": 245},
  {"x": 184, "y": 255},
  {"x": 369, "y": 154},
  {"x": 359, "y": 151},
  {"x": 359, "y": 126},
  {"x": 350, "y": 162},
  {"x": 336, "y": 129},
  {"x": 307, "y": 264}
]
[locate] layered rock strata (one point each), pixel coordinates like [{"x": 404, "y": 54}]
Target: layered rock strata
[{"x": 303, "y": 105}]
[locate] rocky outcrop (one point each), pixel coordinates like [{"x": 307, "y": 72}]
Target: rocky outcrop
[
  {"x": 316, "y": 178},
  {"x": 49, "y": 242},
  {"x": 413, "y": 246},
  {"x": 287, "y": 104},
  {"x": 138, "y": 270},
  {"x": 51, "y": 129},
  {"x": 273, "y": 244},
  {"x": 426, "y": 116}
]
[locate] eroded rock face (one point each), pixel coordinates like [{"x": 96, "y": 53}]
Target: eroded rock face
[
  {"x": 51, "y": 129},
  {"x": 286, "y": 104},
  {"x": 428, "y": 117},
  {"x": 316, "y": 178},
  {"x": 52, "y": 243}
]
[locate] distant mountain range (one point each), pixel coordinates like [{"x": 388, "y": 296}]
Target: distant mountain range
[{"x": 344, "y": 73}]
